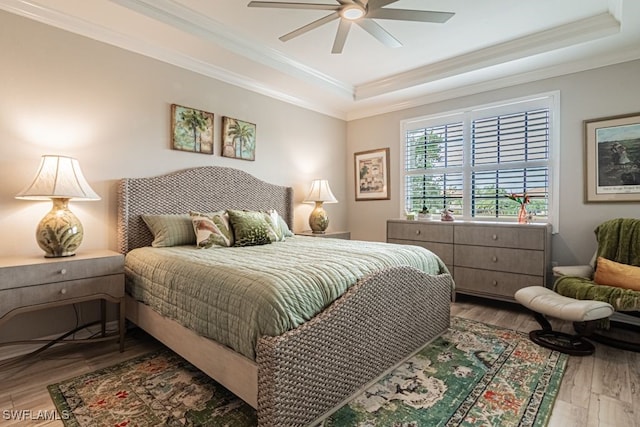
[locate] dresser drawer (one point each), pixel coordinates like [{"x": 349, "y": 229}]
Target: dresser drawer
[
  {"x": 41, "y": 270},
  {"x": 520, "y": 236},
  {"x": 420, "y": 231},
  {"x": 443, "y": 250},
  {"x": 112, "y": 285},
  {"x": 492, "y": 283},
  {"x": 500, "y": 259}
]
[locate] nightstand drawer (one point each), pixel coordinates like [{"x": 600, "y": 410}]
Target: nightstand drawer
[
  {"x": 41, "y": 271},
  {"x": 91, "y": 288}
]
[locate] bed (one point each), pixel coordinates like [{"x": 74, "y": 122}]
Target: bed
[{"x": 388, "y": 311}]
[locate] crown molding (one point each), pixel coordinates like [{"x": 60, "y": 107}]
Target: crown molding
[
  {"x": 377, "y": 97},
  {"x": 631, "y": 54},
  {"x": 192, "y": 22},
  {"x": 587, "y": 29},
  {"x": 94, "y": 31}
]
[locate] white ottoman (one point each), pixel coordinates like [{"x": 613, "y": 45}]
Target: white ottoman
[{"x": 543, "y": 301}]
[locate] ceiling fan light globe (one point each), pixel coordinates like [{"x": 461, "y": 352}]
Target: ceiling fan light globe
[{"x": 352, "y": 12}]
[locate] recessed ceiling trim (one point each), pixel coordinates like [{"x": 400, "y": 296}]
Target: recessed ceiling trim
[
  {"x": 192, "y": 22},
  {"x": 386, "y": 102},
  {"x": 617, "y": 57},
  {"x": 587, "y": 29}
]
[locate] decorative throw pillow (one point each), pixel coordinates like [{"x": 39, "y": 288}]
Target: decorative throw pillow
[
  {"x": 170, "y": 230},
  {"x": 250, "y": 228},
  {"x": 613, "y": 273},
  {"x": 276, "y": 233},
  {"x": 212, "y": 229},
  {"x": 284, "y": 227}
]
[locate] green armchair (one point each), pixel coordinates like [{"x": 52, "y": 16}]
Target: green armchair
[{"x": 618, "y": 241}]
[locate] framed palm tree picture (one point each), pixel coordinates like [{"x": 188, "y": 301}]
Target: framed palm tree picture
[
  {"x": 191, "y": 129},
  {"x": 238, "y": 139}
]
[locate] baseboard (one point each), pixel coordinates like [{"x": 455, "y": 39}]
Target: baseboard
[{"x": 10, "y": 351}]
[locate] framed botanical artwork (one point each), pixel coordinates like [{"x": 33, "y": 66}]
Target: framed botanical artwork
[
  {"x": 238, "y": 139},
  {"x": 191, "y": 129},
  {"x": 613, "y": 159},
  {"x": 372, "y": 174}
]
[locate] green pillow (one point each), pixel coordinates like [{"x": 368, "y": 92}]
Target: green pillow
[
  {"x": 250, "y": 228},
  {"x": 170, "y": 230},
  {"x": 284, "y": 228},
  {"x": 211, "y": 229}
]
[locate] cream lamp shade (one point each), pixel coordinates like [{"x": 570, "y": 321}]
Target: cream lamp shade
[
  {"x": 320, "y": 193},
  {"x": 60, "y": 179}
]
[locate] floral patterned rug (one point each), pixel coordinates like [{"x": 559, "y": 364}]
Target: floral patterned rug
[{"x": 474, "y": 375}]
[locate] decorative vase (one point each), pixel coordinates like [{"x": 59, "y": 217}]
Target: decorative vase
[
  {"x": 318, "y": 220},
  {"x": 522, "y": 214},
  {"x": 60, "y": 232}
]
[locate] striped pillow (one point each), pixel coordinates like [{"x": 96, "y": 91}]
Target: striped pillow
[{"x": 170, "y": 230}]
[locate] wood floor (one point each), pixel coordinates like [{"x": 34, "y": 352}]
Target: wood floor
[{"x": 600, "y": 390}]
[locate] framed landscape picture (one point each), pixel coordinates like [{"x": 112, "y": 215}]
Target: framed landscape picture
[
  {"x": 372, "y": 174},
  {"x": 238, "y": 139},
  {"x": 613, "y": 159},
  {"x": 191, "y": 129}
]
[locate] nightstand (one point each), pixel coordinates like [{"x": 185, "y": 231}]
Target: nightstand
[
  {"x": 346, "y": 235},
  {"x": 35, "y": 283}
]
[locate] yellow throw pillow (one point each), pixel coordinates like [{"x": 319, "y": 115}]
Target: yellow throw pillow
[{"x": 613, "y": 273}]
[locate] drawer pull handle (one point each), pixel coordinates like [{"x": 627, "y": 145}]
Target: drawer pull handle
[
  {"x": 494, "y": 237},
  {"x": 63, "y": 271},
  {"x": 495, "y": 283},
  {"x": 63, "y": 291},
  {"x": 417, "y": 232},
  {"x": 494, "y": 259}
]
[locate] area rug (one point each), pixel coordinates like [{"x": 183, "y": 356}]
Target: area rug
[{"x": 474, "y": 375}]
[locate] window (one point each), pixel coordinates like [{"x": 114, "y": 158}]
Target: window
[{"x": 468, "y": 161}]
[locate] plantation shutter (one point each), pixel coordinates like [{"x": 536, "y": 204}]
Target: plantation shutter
[
  {"x": 509, "y": 153},
  {"x": 469, "y": 160}
]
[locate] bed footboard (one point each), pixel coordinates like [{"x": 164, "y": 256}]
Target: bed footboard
[{"x": 377, "y": 324}]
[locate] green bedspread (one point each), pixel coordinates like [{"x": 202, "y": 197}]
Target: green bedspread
[{"x": 235, "y": 295}]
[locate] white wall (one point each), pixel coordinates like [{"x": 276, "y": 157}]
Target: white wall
[
  {"x": 591, "y": 94},
  {"x": 65, "y": 94},
  {"x": 109, "y": 108}
]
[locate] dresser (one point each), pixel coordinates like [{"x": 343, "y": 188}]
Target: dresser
[
  {"x": 486, "y": 259},
  {"x": 36, "y": 283}
]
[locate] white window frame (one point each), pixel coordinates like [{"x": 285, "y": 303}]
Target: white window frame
[{"x": 550, "y": 100}]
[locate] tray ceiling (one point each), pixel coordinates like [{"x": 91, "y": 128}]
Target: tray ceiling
[{"x": 487, "y": 44}]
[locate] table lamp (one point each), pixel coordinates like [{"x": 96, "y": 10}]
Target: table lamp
[
  {"x": 60, "y": 179},
  {"x": 320, "y": 193}
]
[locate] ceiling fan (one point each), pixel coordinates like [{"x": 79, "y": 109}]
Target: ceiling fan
[{"x": 361, "y": 12}]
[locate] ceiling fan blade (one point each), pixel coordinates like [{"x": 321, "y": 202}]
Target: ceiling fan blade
[
  {"x": 309, "y": 27},
  {"x": 285, "y": 5},
  {"x": 378, "y": 32},
  {"x": 341, "y": 36},
  {"x": 375, "y": 4},
  {"x": 410, "y": 15}
]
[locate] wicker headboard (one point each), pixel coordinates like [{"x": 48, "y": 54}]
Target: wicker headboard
[{"x": 204, "y": 189}]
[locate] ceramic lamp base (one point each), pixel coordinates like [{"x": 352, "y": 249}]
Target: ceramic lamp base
[
  {"x": 318, "y": 220},
  {"x": 60, "y": 232}
]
